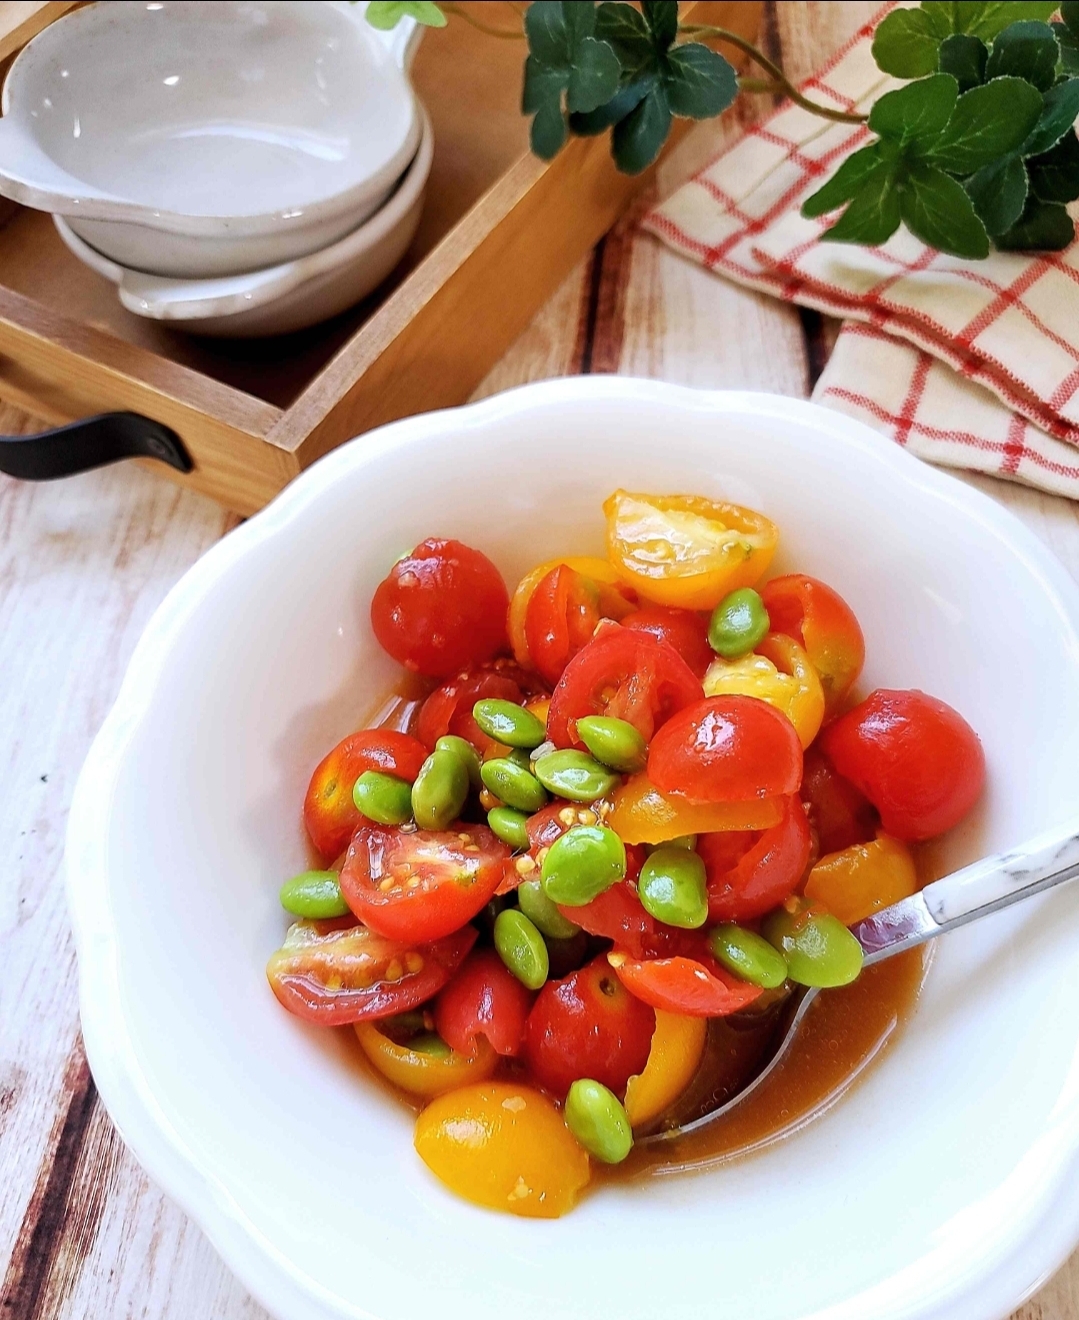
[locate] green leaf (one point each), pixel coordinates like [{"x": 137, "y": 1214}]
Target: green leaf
[
  {"x": 700, "y": 83},
  {"x": 988, "y": 122},
  {"x": 1069, "y": 12},
  {"x": 964, "y": 57},
  {"x": 1044, "y": 226},
  {"x": 1025, "y": 50},
  {"x": 540, "y": 86},
  {"x": 905, "y": 45},
  {"x": 548, "y": 130},
  {"x": 845, "y": 182},
  {"x": 626, "y": 32},
  {"x": 935, "y": 209},
  {"x": 386, "y": 14},
  {"x": 917, "y": 113},
  {"x": 545, "y": 28},
  {"x": 594, "y": 76},
  {"x": 941, "y": 18},
  {"x": 994, "y": 18},
  {"x": 662, "y": 19},
  {"x": 873, "y": 215},
  {"x": 1054, "y": 176},
  {"x": 636, "y": 141},
  {"x": 1068, "y": 41},
  {"x": 607, "y": 115},
  {"x": 1061, "y": 106},
  {"x": 999, "y": 192},
  {"x": 564, "y": 59}
]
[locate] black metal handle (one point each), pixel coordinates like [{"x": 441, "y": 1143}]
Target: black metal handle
[{"x": 88, "y": 444}]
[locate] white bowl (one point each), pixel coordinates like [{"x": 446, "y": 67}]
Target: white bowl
[
  {"x": 203, "y": 138},
  {"x": 281, "y": 298},
  {"x": 944, "y": 1186}
]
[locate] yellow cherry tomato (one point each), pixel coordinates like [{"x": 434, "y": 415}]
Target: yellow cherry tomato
[
  {"x": 673, "y": 1060},
  {"x": 613, "y": 602},
  {"x": 686, "y": 550},
  {"x": 863, "y": 878},
  {"x": 539, "y": 706},
  {"x": 505, "y": 1147},
  {"x": 779, "y": 672},
  {"x": 421, "y": 1073},
  {"x": 640, "y": 813}
]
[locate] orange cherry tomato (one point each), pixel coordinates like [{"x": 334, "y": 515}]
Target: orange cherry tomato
[
  {"x": 685, "y": 630},
  {"x": 615, "y": 598},
  {"x": 640, "y": 813},
  {"x": 819, "y": 619},
  {"x": 863, "y": 878},
  {"x": 749, "y": 875},
  {"x": 778, "y": 672},
  {"x": 677, "y": 1049},
  {"x": 420, "y": 1072},
  {"x": 839, "y": 813},
  {"x": 695, "y": 987},
  {"x": 686, "y": 550}
]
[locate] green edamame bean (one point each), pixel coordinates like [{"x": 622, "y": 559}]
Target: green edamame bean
[
  {"x": 738, "y": 623},
  {"x": 520, "y": 757},
  {"x": 574, "y": 775},
  {"x": 521, "y": 948},
  {"x": 315, "y": 895},
  {"x": 513, "y": 785},
  {"x": 582, "y": 864},
  {"x": 819, "y": 949},
  {"x": 672, "y": 887},
  {"x": 509, "y": 724},
  {"x": 429, "y": 1042},
  {"x": 542, "y": 913},
  {"x": 613, "y": 742},
  {"x": 461, "y": 747},
  {"x": 440, "y": 790},
  {"x": 509, "y": 826},
  {"x": 383, "y": 798},
  {"x": 597, "y": 1119},
  {"x": 748, "y": 955}
]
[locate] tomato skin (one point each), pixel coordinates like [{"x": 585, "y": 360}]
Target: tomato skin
[
  {"x": 862, "y": 879},
  {"x": 458, "y": 871},
  {"x": 840, "y": 813},
  {"x": 820, "y": 620},
  {"x": 617, "y": 915},
  {"x": 329, "y": 812},
  {"x": 587, "y": 1025},
  {"x": 914, "y": 757},
  {"x": 685, "y": 630},
  {"x": 695, "y": 987},
  {"x": 561, "y": 618},
  {"x": 424, "y": 1074},
  {"x": 449, "y": 708},
  {"x": 766, "y": 872},
  {"x": 779, "y": 672},
  {"x": 615, "y": 598},
  {"x": 640, "y": 813},
  {"x": 676, "y": 1052},
  {"x": 726, "y": 749},
  {"x": 484, "y": 1000},
  {"x": 440, "y": 608}
]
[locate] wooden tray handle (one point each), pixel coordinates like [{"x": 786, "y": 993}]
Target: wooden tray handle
[{"x": 91, "y": 443}]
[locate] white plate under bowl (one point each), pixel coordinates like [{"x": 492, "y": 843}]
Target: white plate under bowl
[{"x": 945, "y": 1186}]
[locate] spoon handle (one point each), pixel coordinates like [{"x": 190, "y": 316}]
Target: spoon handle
[{"x": 977, "y": 890}]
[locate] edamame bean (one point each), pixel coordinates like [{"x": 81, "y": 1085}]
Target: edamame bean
[
  {"x": 509, "y": 724},
  {"x": 509, "y": 826},
  {"x": 738, "y": 623},
  {"x": 440, "y": 790},
  {"x": 574, "y": 775},
  {"x": 819, "y": 949},
  {"x": 383, "y": 798},
  {"x": 512, "y": 784},
  {"x": 521, "y": 948},
  {"x": 597, "y": 1119},
  {"x": 672, "y": 887},
  {"x": 748, "y": 955},
  {"x": 315, "y": 895},
  {"x": 543, "y": 914},
  {"x": 614, "y": 742},
  {"x": 461, "y": 747},
  {"x": 430, "y": 1043},
  {"x": 520, "y": 757},
  {"x": 582, "y": 864}
]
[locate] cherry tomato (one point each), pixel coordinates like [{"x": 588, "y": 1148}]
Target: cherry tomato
[
  {"x": 617, "y": 915},
  {"x": 675, "y": 1055},
  {"x": 627, "y": 674},
  {"x": 685, "y": 550},
  {"x": 424, "y": 884},
  {"x": 561, "y": 618},
  {"x": 329, "y": 812},
  {"x": 749, "y": 875},
  {"x": 334, "y": 975},
  {"x": 819, "y": 619},
  {"x": 840, "y": 814},
  {"x": 696, "y": 987},
  {"x": 420, "y": 1072},
  {"x": 778, "y": 672},
  {"x": 640, "y": 813},
  {"x": 483, "y": 1001},
  {"x": 440, "y": 608},
  {"x": 449, "y": 708},
  {"x": 615, "y": 598},
  {"x": 863, "y": 878},
  {"x": 685, "y": 630},
  {"x": 914, "y": 757},
  {"x": 726, "y": 749},
  {"x": 587, "y": 1025}
]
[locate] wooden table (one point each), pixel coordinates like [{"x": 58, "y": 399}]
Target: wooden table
[{"x": 84, "y": 562}]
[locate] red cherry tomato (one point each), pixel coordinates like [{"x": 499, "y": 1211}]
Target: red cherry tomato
[
  {"x": 440, "y": 608},
  {"x": 588, "y": 1026},
  {"x": 424, "y": 884},
  {"x": 332, "y": 975},
  {"x": 328, "y": 810},
  {"x": 695, "y": 987},
  {"x": 685, "y": 630},
  {"x": 562, "y": 615},
  {"x": 449, "y": 708},
  {"x": 726, "y": 749},
  {"x": 822, "y": 622},
  {"x": 617, "y": 915},
  {"x": 841, "y": 815},
  {"x": 483, "y": 999},
  {"x": 766, "y": 870},
  {"x": 625, "y": 673},
  {"x": 914, "y": 757}
]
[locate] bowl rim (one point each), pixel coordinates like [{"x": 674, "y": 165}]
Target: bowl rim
[{"x": 265, "y": 1272}]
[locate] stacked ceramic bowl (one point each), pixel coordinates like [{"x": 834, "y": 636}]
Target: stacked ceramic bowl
[{"x": 234, "y": 168}]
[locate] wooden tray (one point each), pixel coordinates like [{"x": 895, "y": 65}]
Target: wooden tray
[{"x": 500, "y": 230}]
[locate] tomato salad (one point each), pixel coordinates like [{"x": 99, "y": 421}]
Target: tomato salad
[{"x": 638, "y": 796}]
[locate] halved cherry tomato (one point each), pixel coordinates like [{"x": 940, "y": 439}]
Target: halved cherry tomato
[
  {"x": 914, "y": 757},
  {"x": 819, "y": 619},
  {"x": 562, "y": 616},
  {"x": 839, "y": 813},
  {"x": 624, "y": 673},
  {"x": 449, "y": 708},
  {"x": 329, "y": 812},
  {"x": 686, "y": 550},
  {"x": 726, "y": 749},
  {"x": 484, "y": 1001},
  {"x": 422, "y": 1073},
  {"x": 673, "y": 1060},
  {"x": 615, "y": 598},
  {"x": 340, "y": 975},
  {"x": 617, "y": 915},
  {"x": 424, "y": 884},
  {"x": 749, "y": 875},
  {"x": 863, "y": 878},
  {"x": 778, "y": 672},
  {"x": 640, "y": 813},
  {"x": 685, "y": 630},
  {"x": 696, "y": 987},
  {"x": 587, "y": 1026}
]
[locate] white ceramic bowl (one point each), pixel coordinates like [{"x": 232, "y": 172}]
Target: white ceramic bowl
[
  {"x": 207, "y": 137},
  {"x": 277, "y": 299},
  {"x": 943, "y": 1186}
]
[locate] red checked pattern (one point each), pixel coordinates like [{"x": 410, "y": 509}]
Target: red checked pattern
[{"x": 1007, "y": 402}]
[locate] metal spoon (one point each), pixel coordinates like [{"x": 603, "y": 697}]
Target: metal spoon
[{"x": 976, "y": 891}]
